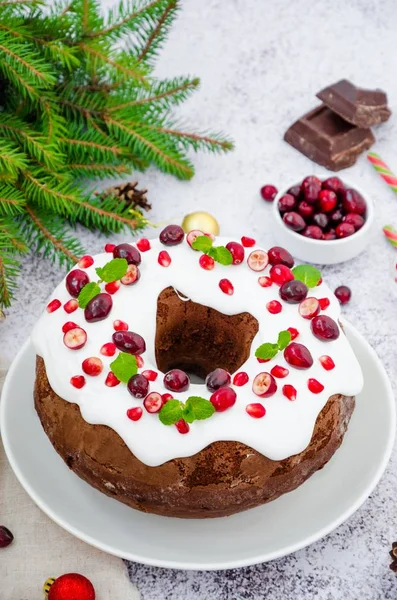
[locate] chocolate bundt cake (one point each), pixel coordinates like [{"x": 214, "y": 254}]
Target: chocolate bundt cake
[{"x": 126, "y": 335}]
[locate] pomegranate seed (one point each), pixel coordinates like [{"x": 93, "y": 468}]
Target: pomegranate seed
[
  {"x": 315, "y": 386},
  {"x": 110, "y": 247},
  {"x": 264, "y": 385},
  {"x": 74, "y": 339},
  {"x": 53, "y": 305},
  {"x": 120, "y": 325},
  {"x": 265, "y": 281},
  {"x": 356, "y": 220},
  {"x": 138, "y": 386},
  {"x": 305, "y": 209},
  {"x": 327, "y": 200},
  {"x": 132, "y": 276},
  {"x": 344, "y": 230},
  {"x": 217, "y": 379},
  {"x": 78, "y": 381},
  {"x": 311, "y": 187},
  {"x": 269, "y": 192},
  {"x": 298, "y": 356},
  {"x": 223, "y": 399},
  {"x": 206, "y": 262},
  {"x": 313, "y": 231},
  {"x": 294, "y": 221},
  {"x": 309, "y": 308},
  {"x": 324, "y": 303},
  {"x": 172, "y": 235},
  {"x": 166, "y": 397},
  {"x": 164, "y": 259},
  {"x": 330, "y": 235},
  {"x": 134, "y": 413},
  {"x": 192, "y": 237},
  {"x": 293, "y": 291},
  {"x": 128, "y": 341},
  {"x": 139, "y": 361},
  {"x": 237, "y": 252},
  {"x": 263, "y": 360},
  {"x": 343, "y": 293},
  {"x": 130, "y": 253},
  {"x": 324, "y": 328},
  {"x": 295, "y": 191},
  {"x": 286, "y": 203},
  {"x": 353, "y": 202},
  {"x": 112, "y": 287},
  {"x": 258, "y": 260},
  {"x": 294, "y": 332},
  {"x": 280, "y": 274},
  {"x": 274, "y": 307},
  {"x": 182, "y": 426},
  {"x": 279, "y": 372},
  {"x": 280, "y": 256},
  {"x": 334, "y": 184},
  {"x": 86, "y": 261},
  {"x": 256, "y": 410},
  {"x": 75, "y": 281},
  {"x": 176, "y": 380},
  {"x": 6, "y": 537},
  {"x": 226, "y": 287},
  {"x": 327, "y": 362},
  {"x": 92, "y": 366},
  {"x": 108, "y": 349},
  {"x": 111, "y": 380},
  {"x": 70, "y": 306},
  {"x": 143, "y": 245},
  {"x": 69, "y": 325},
  {"x": 150, "y": 375},
  {"x": 248, "y": 242},
  {"x": 153, "y": 402},
  {"x": 98, "y": 308},
  {"x": 289, "y": 392},
  {"x": 240, "y": 379}
]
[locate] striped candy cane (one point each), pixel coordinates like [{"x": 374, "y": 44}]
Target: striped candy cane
[
  {"x": 381, "y": 167},
  {"x": 390, "y": 234}
]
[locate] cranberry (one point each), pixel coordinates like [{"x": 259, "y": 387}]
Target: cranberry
[
  {"x": 138, "y": 386},
  {"x": 172, "y": 235},
  {"x": 258, "y": 260},
  {"x": 324, "y": 328},
  {"x": 217, "y": 379},
  {"x": 75, "y": 281},
  {"x": 336, "y": 216},
  {"x": 192, "y": 237},
  {"x": 327, "y": 362},
  {"x": 280, "y": 274},
  {"x": 130, "y": 253},
  {"x": 294, "y": 291},
  {"x": 305, "y": 209},
  {"x": 256, "y": 410},
  {"x": 223, "y": 399},
  {"x": 327, "y": 200},
  {"x": 134, "y": 413},
  {"x": 237, "y": 252},
  {"x": 92, "y": 366},
  {"x": 286, "y": 203},
  {"x": 334, "y": 184},
  {"x": 6, "y": 537},
  {"x": 313, "y": 231},
  {"x": 274, "y": 307},
  {"x": 132, "y": 275},
  {"x": 153, "y": 402},
  {"x": 75, "y": 338},
  {"x": 176, "y": 380},
  {"x": 295, "y": 191},
  {"x": 343, "y": 293},
  {"x": 344, "y": 230},
  {"x": 98, "y": 308},
  {"x": 240, "y": 379},
  {"x": 289, "y": 392},
  {"x": 298, "y": 356},
  {"x": 353, "y": 219},
  {"x": 330, "y": 235},
  {"x": 264, "y": 385},
  {"x": 309, "y": 308},
  {"x": 269, "y": 192},
  {"x": 353, "y": 202},
  {"x": 311, "y": 187},
  {"x": 321, "y": 220},
  {"x": 182, "y": 426},
  {"x": 206, "y": 262},
  {"x": 128, "y": 341},
  {"x": 294, "y": 221},
  {"x": 315, "y": 386},
  {"x": 280, "y": 256}
]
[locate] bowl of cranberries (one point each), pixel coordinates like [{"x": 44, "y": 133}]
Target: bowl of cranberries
[{"x": 324, "y": 221}]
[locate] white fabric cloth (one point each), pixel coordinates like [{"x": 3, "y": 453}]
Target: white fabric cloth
[{"x": 41, "y": 549}]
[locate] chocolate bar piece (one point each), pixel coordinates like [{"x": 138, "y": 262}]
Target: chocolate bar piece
[
  {"x": 360, "y": 107},
  {"x": 327, "y": 139}
]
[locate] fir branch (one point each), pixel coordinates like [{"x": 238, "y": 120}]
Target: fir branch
[
  {"x": 119, "y": 68},
  {"x": 11, "y": 240},
  {"x": 120, "y": 26},
  {"x": 176, "y": 90},
  {"x": 12, "y": 201},
  {"x": 165, "y": 18},
  {"x": 214, "y": 142},
  {"x": 9, "y": 271}
]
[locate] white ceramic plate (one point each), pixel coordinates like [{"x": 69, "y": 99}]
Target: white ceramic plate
[{"x": 258, "y": 535}]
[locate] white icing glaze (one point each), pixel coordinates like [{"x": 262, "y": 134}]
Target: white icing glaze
[{"x": 287, "y": 426}]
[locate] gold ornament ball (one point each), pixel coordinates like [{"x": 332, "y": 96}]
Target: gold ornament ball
[{"x": 200, "y": 220}]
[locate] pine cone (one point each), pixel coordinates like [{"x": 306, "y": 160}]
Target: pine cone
[
  {"x": 128, "y": 193},
  {"x": 393, "y": 554}
]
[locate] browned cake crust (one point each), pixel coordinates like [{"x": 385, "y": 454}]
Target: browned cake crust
[{"x": 222, "y": 479}]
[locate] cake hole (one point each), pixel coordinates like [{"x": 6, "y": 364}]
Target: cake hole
[{"x": 199, "y": 339}]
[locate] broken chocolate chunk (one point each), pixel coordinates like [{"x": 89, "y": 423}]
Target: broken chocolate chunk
[{"x": 358, "y": 106}]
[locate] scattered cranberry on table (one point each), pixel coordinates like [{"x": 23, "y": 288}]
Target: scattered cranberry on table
[
  {"x": 269, "y": 192},
  {"x": 343, "y": 293},
  {"x": 6, "y": 537}
]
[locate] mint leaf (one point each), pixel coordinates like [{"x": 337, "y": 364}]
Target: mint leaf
[
  {"x": 87, "y": 293},
  {"x": 113, "y": 270},
  {"x": 284, "y": 338},
  {"x": 308, "y": 274},
  {"x": 171, "y": 413},
  {"x": 221, "y": 255},
  {"x": 203, "y": 243},
  {"x": 266, "y": 351},
  {"x": 124, "y": 367},
  {"x": 197, "y": 409}
]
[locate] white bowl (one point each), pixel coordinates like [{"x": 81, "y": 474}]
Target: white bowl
[{"x": 324, "y": 252}]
